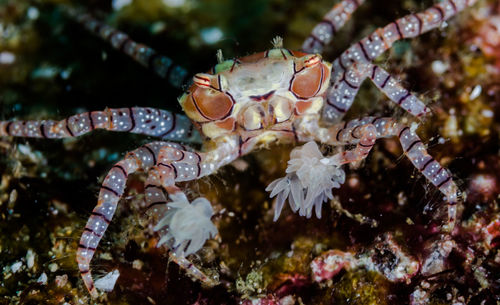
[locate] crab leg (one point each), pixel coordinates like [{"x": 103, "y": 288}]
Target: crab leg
[
  {"x": 144, "y": 55},
  {"x": 360, "y": 55},
  {"x": 412, "y": 146},
  {"x": 148, "y": 121},
  {"x": 111, "y": 191},
  {"x": 393, "y": 89},
  {"x": 170, "y": 163},
  {"x": 323, "y": 32},
  {"x": 413, "y": 25},
  {"x": 343, "y": 91}
]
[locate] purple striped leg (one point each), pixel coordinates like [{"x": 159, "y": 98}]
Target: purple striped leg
[
  {"x": 393, "y": 89},
  {"x": 183, "y": 226},
  {"x": 343, "y": 89},
  {"x": 410, "y": 26},
  {"x": 148, "y": 121},
  {"x": 111, "y": 191},
  {"x": 413, "y": 148},
  {"x": 144, "y": 55},
  {"x": 323, "y": 32},
  {"x": 360, "y": 55}
]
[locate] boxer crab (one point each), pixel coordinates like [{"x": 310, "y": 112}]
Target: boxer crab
[{"x": 244, "y": 104}]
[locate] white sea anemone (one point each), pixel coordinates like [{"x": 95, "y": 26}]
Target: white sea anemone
[
  {"x": 189, "y": 224},
  {"x": 309, "y": 181}
]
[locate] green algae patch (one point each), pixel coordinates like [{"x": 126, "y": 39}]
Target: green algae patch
[{"x": 361, "y": 288}]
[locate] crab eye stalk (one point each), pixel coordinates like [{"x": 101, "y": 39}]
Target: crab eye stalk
[
  {"x": 202, "y": 80},
  {"x": 311, "y": 60},
  {"x": 217, "y": 82}
]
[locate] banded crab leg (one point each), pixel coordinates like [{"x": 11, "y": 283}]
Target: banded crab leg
[
  {"x": 410, "y": 26},
  {"x": 144, "y": 55},
  {"x": 111, "y": 191},
  {"x": 343, "y": 91},
  {"x": 185, "y": 226},
  {"x": 414, "y": 149},
  {"x": 393, "y": 89},
  {"x": 361, "y": 54},
  {"x": 147, "y": 121},
  {"x": 323, "y": 32}
]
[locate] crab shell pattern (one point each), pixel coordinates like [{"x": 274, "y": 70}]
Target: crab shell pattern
[{"x": 259, "y": 95}]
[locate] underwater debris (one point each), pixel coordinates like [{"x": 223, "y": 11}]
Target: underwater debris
[
  {"x": 385, "y": 257},
  {"x": 107, "y": 282}
]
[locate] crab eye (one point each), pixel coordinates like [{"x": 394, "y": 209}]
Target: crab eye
[
  {"x": 252, "y": 117},
  {"x": 310, "y": 76},
  {"x": 280, "y": 108}
]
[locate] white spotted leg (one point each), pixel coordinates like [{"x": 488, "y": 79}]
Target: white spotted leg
[
  {"x": 142, "y": 120},
  {"x": 409, "y": 26},
  {"x": 393, "y": 89},
  {"x": 323, "y": 32},
  {"x": 343, "y": 91},
  {"x": 111, "y": 191},
  {"x": 185, "y": 226},
  {"x": 360, "y": 56}
]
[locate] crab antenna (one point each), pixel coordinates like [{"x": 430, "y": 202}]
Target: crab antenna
[
  {"x": 220, "y": 57},
  {"x": 277, "y": 42}
]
